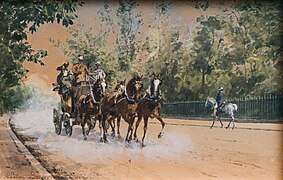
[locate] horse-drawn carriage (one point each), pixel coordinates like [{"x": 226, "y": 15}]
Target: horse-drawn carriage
[
  {"x": 74, "y": 104},
  {"x": 130, "y": 101}
]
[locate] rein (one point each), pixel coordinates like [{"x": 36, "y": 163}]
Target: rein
[{"x": 91, "y": 93}]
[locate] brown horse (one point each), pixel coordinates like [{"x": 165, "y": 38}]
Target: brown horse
[
  {"x": 149, "y": 106},
  {"x": 111, "y": 120},
  {"x": 90, "y": 105},
  {"x": 123, "y": 105}
]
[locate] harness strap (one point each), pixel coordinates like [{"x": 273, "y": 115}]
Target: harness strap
[{"x": 91, "y": 93}]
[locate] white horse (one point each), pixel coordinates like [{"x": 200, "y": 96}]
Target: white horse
[{"x": 228, "y": 108}]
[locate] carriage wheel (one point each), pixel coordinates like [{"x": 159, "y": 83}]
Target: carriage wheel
[
  {"x": 57, "y": 122},
  {"x": 68, "y": 126}
]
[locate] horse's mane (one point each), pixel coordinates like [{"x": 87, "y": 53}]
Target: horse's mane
[{"x": 129, "y": 86}]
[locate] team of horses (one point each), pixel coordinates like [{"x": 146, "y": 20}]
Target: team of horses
[{"x": 128, "y": 101}]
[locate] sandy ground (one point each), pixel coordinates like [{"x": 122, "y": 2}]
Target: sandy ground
[
  {"x": 13, "y": 164},
  {"x": 189, "y": 149}
]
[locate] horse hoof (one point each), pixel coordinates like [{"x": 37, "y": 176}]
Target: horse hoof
[
  {"x": 113, "y": 135},
  {"x": 85, "y": 138},
  {"x": 221, "y": 126},
  {"x": 211, "y": 127},
  {"x": 227, "y": 127},
  {"x": 119, "y": 136},
  {"x": 127, "y": 145},
  {"x": 101, "y": 139},
  {"x": 143, "y": 145},
  {"x": 159, "y": 135}
]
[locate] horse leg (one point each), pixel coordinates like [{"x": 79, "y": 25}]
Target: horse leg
[
  {"x": 99, "y": 118},
  {"x": 111, "y": 122},
  {"x": 162, "y": 124},
  {"x": 144, "y": 129},
  {"x": 229, "y": 123},
  {"x": 233, "y": 120},
  {"x": 118, "y": 126},
  {"x": 220, "y": 122},
  {"x": 132, "y": 118},
  {"x": 212, "y": 122},
  {"x": 136, "y": 127},
  {"x": 129, "y": 128},
  {"x": 104, "y": 128},
  {"x": 90, "y": 125},
  {"x": 83, "y": 122}
]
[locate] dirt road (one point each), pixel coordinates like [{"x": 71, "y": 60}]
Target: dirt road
[
  {"x": 188, "y": 149},
  {"x": 13, "y": 163}
]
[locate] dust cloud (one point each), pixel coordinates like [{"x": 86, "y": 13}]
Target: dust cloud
[{"x": 36, "y": 120}]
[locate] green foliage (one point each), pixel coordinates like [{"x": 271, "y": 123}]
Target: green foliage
[
  {"x": 17, "y": 20},
  {"x": 252, "y": 30},
  {"x": 84, "y": 42},
  {"x": 129, "y": 23},
  {"x": 240, "y": 48}
]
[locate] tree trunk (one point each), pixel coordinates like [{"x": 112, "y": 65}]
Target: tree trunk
[{"x": 203, "y": 81}]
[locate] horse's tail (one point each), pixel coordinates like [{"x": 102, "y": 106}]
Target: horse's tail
[{"x": 235, "y": 107}]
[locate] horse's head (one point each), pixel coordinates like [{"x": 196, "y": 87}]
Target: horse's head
[
  {"x": 137, "y": 84},
  {"x": 99, "y": 88},
  {"x": 206, "y": 102},
  {"x": 134, "y": 86},
  {"x": 155, "y": 84},
  {"x": 120, "y": 87},
  {"x": 209, "y": 102}
]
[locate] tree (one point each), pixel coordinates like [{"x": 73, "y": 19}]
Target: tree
[
  {"x": 83, "y": 41},
  {"x": 205, "y": 52},
  {"x": 17, "y": 20},
  {"x": 254, "y": 33}
]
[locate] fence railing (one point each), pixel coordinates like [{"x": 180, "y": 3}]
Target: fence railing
[{"x": 268, "y": 107}]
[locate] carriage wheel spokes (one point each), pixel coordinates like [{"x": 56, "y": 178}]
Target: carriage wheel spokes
[{"x": 57, "y": 121}]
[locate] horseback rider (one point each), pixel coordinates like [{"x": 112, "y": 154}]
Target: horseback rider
[
  {"x": 64, "y": 72},
  {"x": 219, "y": 100}
]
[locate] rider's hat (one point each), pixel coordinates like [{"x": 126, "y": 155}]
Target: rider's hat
[
  {"x": 81, "y": 57},
  {"x": 98, "y": 63},
  {"x": 221, "y": 88}
]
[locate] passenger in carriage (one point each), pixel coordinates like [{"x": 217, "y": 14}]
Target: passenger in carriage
[
  {"x": 80, "y": 70},
  {"x": 64, "y": 72},
  {"x": 98, "y": 72}
]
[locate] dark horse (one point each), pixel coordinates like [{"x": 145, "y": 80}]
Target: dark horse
[
  {"x": 123, "y": 105},
  {"x": 90, "y": 105},
  {"x": 114, "y": 115},
  {"x": 149, "y": 106}
]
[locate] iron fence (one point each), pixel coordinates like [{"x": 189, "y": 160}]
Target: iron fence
[{"x": 267, "y": 107}]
